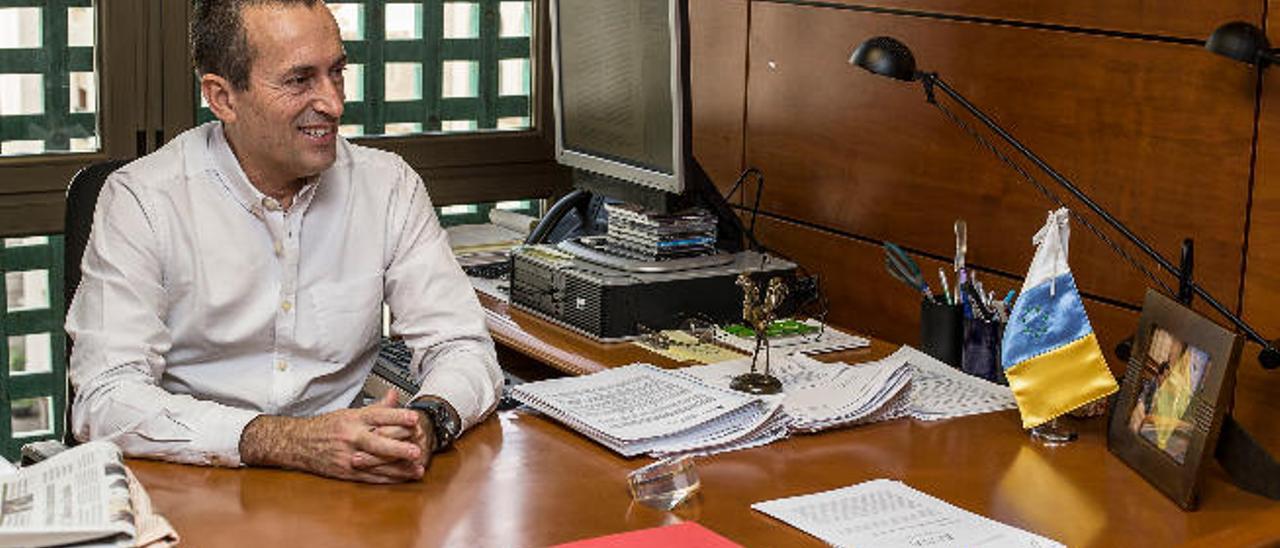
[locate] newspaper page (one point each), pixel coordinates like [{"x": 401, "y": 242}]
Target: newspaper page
[
  {"x": 887, "y": 513},
  {"x": 78, "y": 495}
]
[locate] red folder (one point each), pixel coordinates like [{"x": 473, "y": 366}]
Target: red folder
[{"x": 687, "y": 534}]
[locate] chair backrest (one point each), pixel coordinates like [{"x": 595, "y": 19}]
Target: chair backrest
[{"x": 82, "y": 198}]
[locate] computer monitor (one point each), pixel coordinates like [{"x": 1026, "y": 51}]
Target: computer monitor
[
  {"x": 620, "y": 88},
  {"x": 620, "y": 71}
]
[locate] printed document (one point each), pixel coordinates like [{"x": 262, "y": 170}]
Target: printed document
[
  {"x": 641, "y": 408},
  {"x": 887, "y": 513}
]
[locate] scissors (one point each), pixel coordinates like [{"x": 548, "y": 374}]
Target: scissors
[{"x": 900, "y": 266}]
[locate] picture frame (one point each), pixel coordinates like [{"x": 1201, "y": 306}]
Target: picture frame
[{"x": 1176, "y": 390}]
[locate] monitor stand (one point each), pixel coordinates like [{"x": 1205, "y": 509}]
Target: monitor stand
[{"x": 592, "y": 250}]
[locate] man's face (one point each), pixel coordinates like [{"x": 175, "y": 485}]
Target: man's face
[{"x": 286, "y": 123}]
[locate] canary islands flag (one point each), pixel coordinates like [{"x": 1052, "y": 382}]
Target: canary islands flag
[{"x": 1049, "y": 353}]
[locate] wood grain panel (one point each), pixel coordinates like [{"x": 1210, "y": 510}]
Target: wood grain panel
[
  {"x": 1193, "y": 19},
  {"x": 1155, "y": 132},
  {"x": 1262, "y": 278},
  {"x": 718, "y": 52},
  {"x": 1258, "y": 390},
  {"x": 865, "y": 299}
]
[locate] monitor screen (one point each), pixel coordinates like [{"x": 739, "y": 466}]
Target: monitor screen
[{"x": 618, "y": 89}]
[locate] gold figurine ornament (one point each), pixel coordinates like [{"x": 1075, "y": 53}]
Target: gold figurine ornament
[{"x": 759, "y": 314}]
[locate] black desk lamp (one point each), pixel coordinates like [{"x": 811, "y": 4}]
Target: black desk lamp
[
  {"x": 886, "y": 56},
  {"x": 1243, "y": 42},
  {"x": 1247, "y": 463}
]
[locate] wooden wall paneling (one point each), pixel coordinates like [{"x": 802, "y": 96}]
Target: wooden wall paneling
[
  {"x": 718, "y": 52},
  {"x": 1194, "y": 19},
  {"x": 865, "y": 299},
  {"x": 1148, "y": 129},
  {"x": 1258, "y": 390}
]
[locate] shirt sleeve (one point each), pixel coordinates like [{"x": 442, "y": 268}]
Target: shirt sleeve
[
  {"x": 435, "y": 310},
  {"x": 116, "y": 321}
]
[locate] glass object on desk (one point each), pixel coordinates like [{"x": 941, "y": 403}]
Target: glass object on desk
[
  {"x": 666, "y": 483},
  {"x": 1053, "y": 433}
]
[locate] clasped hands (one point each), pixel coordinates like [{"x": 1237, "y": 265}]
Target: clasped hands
[{"x": 379, "y": 443}]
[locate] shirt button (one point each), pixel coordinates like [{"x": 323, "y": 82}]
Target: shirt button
[
  {"x": 285, "y": 306},
  {"x": 279, "y": 248},
  {"x": 282, "y": 365},
  {"x": 270, "y": 203}
]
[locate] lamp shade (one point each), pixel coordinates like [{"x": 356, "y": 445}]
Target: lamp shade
[
  {"x": 887, "y": 57},
  {"x": 1240, "y": 41}
]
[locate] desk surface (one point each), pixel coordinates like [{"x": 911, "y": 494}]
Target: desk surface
[{"x": 522, "y": 480}]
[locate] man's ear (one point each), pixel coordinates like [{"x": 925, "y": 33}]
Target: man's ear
[{"x": 220, "y": 95}]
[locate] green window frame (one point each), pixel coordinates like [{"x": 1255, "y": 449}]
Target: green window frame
[
  {"x": 14, "y": 323},
  {"x": 431, "y": 51},
  {"x": 55, "y": 60}
]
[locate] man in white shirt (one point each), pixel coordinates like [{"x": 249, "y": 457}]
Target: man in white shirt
[{"x": 230, "y": 306}]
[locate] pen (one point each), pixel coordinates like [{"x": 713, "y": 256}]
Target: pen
[{"x": 946, "y": 291}]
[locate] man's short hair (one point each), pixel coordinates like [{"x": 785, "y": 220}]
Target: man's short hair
[{"x": 219, "y": 42}]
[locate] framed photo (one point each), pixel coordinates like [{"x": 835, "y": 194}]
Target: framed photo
[{"x": 1175, "y": 392}]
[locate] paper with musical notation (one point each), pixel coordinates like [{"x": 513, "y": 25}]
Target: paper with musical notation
[{"x": 887, "y": 513}]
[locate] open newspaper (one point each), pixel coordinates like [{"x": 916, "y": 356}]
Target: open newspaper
[{"x": 83, "y": 496}]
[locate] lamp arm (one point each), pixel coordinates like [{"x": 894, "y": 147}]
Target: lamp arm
[
  {"x": 1270, "y": 56},
  {"x": 931, "y": 81}
]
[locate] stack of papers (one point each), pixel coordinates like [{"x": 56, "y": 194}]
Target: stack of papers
[
  {"x": 888, "y": 513},
  {"x": 642, "y": 409},
  {"x": 827, "y": 339},
  {"x": 818, "y": 396},
  {"x": 939, "y": 391}
]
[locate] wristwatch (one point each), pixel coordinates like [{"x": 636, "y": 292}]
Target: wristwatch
[{"x": 443, "y": 418}]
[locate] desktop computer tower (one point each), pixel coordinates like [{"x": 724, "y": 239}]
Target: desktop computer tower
[{"x": 610, "y": 304}]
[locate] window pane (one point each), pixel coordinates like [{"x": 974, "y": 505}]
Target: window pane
[
  {"x": 460, "y": 79},
  {"x": 350, "y": 130},
  {"x": 26, "y": 242},
  {"x": 513, "y": 77},
  {"x": 515, "y": 19},
  {"x": 461, "y": 20},
  {"x": 403, "y": 128},
  {"x": 404, "y": 81},
  {"x": 513, "y": 122},
  {"x": 80, "y": 27},
  {"x": 404, "y": 21},
  {"x": 27, "y": 290},
  {"x": 458, "y": 125},
  {"x": 350, "y": 20},
  {"x": 48, "y": 87},
  {"x": 32, "y": 416},
  {"x": 30, "y": 354},
  {"x": 353, "y": 83},
  {"x": 20, "y": 28},
  {"x": 21, "y": 94}
]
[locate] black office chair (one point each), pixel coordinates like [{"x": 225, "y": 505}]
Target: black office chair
[{"x": 82, "y": 198}]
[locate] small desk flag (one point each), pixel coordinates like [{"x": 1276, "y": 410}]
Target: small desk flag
[{"x": 1049, "y": 353}]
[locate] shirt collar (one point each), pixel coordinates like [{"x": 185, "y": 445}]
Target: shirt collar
[{"x": 225, "y": 167}]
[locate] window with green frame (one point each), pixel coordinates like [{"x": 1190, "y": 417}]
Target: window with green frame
[
  {"x": 48, "y": 86},
  {"x": 432, "y": 66},
  {"x": 33, "y": 381}
]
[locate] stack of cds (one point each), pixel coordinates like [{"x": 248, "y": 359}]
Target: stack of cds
[{"x": 638, "y": 234}]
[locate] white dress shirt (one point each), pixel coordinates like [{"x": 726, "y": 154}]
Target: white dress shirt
[{"x": 203, "y": 303}]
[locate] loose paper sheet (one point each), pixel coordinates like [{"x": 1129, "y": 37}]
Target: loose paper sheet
[{"x": 886, "y": 513}]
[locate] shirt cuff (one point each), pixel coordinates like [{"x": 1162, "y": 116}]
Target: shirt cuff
[
  {"x": 467, "y": 385},
  {"x": 222, "y": 440}
]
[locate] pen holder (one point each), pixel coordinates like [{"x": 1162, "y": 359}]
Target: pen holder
[
  {"x": 981, "y": 351},
  {"x": 941, "y": 331}
]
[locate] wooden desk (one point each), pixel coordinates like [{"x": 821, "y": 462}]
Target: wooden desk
[{"x": 521, "y": 480}]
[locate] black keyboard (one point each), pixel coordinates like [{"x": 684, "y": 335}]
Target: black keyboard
[{"x": 392, "y": 366}]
